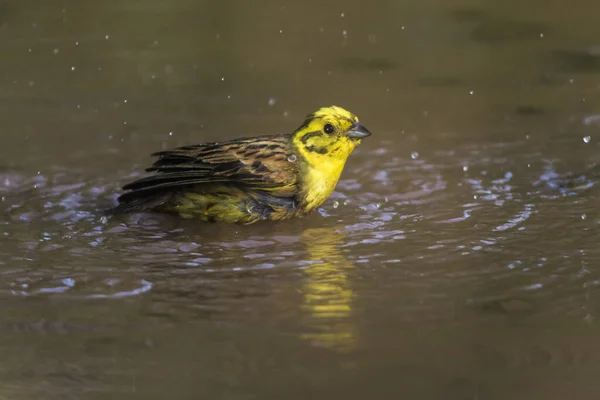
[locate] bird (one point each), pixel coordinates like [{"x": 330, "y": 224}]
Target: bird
[{"x": 250, "y": 179}]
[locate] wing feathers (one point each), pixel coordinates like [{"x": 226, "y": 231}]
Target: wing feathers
[{"x": 259, "y": 163}]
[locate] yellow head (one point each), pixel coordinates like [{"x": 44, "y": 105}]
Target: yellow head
[
  {"x": 329, "y": 133},
  {"x": 324, "y": 141}
]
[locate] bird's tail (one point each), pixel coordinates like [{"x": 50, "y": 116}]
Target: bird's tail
[{"x": 135, "y": 201}]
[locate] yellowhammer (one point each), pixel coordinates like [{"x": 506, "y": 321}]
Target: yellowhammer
[{"x": 251, "y": 179}]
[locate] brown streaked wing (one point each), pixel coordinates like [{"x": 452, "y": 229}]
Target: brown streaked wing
[
  {"x": 269, "y": 159},
  {"x": 259, "y": 162}
]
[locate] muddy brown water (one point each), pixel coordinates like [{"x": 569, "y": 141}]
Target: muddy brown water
[{"x": 457, "y": 259}]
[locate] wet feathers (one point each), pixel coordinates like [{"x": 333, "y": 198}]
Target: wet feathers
[{"x": 250, "y": 179}]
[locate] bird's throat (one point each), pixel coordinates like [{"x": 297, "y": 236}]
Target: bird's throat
[{"x": 319, "y": 181}]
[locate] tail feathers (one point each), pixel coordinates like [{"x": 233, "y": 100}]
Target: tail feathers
[{"x": 140, "y": 202}]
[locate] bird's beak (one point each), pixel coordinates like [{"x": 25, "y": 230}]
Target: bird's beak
[{"x": 357, "y": 131}]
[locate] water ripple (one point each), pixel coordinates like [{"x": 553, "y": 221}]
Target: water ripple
[{"x": 452, "y": 218}]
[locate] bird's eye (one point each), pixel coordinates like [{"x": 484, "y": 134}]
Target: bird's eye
[{"x": 328, "y": 128}]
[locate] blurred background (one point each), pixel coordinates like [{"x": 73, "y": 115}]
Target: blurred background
[{"x": 457, "y": 259}]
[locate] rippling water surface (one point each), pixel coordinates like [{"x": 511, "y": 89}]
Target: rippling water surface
[{"x": 457, "y": 259}]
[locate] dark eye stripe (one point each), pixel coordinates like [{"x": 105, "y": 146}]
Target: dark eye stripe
[
  {"x": 309, "y": 135},
  {"x": 318, "y": 150}
]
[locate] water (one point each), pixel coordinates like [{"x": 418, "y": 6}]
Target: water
[{"x": 456, "y": 259}]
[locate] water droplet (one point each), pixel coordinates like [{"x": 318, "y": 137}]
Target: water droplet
[
  {"x": 272, "y": 101},
  {"x": 583, "y": 216},
  {"x": 541, "y": 35},
  {"x": 378, "y": 205},
  {"x": 292, "y": 158},
  {"x": 103, "y": 219},
  {"x": 345, "y": 34},
  {"x": 73, "y": 68},
  {"x": 170, "y": 133},
  {"x": 471, "y": 92},
  {"x": 125, "y": 101},
  {"x": 336, "y": 204},
  {"x": 587, "y": 139},
  {"x": 223, "y": 79},
  {"x": 107, "y": 37},
  {"x": 346, "y": 202},
  {"x": 76, "y": 43},
  {"x": 414, "y": 155},
  {"x": 571, "y": 81},
  {"x": 342, "y": 15},
  {"x": 465, "y": 168},
  {"x": 55, "y": 51}
]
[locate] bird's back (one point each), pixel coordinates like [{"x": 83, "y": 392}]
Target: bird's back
[{"x": 241, "y": 180}]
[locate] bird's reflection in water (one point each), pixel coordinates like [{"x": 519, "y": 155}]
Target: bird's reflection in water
[{"x": 327, "y": 295}]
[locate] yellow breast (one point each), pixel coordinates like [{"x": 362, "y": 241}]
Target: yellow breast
[{"x": 319, "y": 182}]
